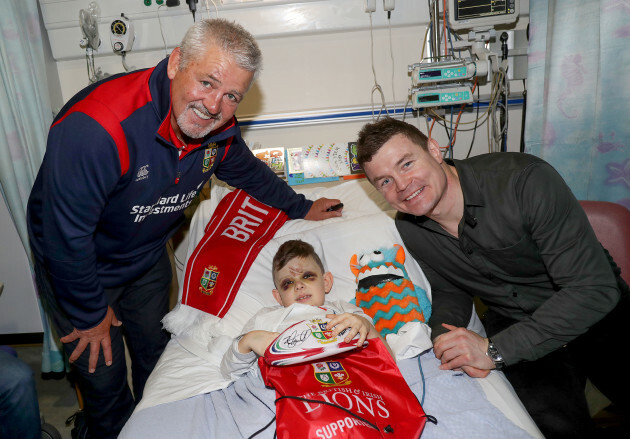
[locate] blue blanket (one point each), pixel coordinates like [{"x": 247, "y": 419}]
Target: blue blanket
[{"x": 246, "y": 406}]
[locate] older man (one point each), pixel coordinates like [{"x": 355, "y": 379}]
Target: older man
[
  {"x": 125, "y": 157},
  {"x": 506, "y": 228}
]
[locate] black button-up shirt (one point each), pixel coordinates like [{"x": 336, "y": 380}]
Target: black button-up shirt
[{"x": 525, "y": 247}]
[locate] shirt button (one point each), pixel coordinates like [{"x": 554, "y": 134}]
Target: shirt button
[
  {"x": 514, "y": 294},
  {"x": 469, "y": 251}
]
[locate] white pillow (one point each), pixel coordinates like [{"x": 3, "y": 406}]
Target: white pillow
[{"x": 366, "y": 225}]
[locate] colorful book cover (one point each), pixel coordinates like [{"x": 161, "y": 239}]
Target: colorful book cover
[
  {"x": 321, "y": 163},
  {"x": 338, "y": 157},
  {"x": 352, "y": 158},
  {"x": 274, "y": 158},
  {"x": 303, "y": 166}
]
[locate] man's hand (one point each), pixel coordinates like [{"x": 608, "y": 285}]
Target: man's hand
[
  {"x": 318, "y": 210},
  {"x": 256, "y": 341},
  {"x": 463, "y": 349},
  {"x": 96, "y": 337}
]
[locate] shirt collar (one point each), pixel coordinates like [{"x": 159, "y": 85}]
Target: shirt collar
[
  {"x": 470, "y": 189},
  {"x": 468, "y": 182}
]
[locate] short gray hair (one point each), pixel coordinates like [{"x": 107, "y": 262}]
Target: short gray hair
[{"x": 230, "y": 37}]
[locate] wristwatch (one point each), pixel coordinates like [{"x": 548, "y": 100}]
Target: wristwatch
[{"x": 495, "y": 356}]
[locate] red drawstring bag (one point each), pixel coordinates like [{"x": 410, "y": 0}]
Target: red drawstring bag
[{"x": 356, "y": 394}]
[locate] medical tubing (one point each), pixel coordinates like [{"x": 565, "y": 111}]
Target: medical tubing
[
  {"x": 262, "y": 429},
  {"x": 444, "y": 24},
  {"x": 430, "y": 418},
  {"x": 476, "y": 120},
  {"x": 424, "y": 384}
]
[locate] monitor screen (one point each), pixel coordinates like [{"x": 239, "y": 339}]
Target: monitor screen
[{"x": 481, "y": 14}]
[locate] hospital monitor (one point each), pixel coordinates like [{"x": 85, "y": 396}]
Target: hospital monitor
[{"x": 481, "y": 14}]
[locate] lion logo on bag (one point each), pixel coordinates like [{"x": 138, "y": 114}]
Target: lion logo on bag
[
  {"x": 385, "y": 292},
  {"x": 331, "y": 373}
]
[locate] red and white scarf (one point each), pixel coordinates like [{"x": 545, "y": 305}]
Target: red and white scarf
[{"x": 240, "y": 227}]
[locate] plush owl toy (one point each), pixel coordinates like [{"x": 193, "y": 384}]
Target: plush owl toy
[{"x": 385, "y": 292}]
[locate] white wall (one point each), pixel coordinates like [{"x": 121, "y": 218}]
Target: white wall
[
  {"x": 317, "y": 61},
  {"x": 19, "y": 312}
]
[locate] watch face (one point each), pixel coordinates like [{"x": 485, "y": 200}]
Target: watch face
[{"x": 495, "y": 356}]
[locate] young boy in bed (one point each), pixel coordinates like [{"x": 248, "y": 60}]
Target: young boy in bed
[{"x": 301, "y": 287}]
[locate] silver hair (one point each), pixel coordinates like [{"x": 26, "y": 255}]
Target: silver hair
[{"x": 230, "y": 37}]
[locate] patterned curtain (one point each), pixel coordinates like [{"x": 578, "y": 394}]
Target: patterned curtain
[
  {"x": 25, "y": 116},
  {"x": 578, "y": 103}
]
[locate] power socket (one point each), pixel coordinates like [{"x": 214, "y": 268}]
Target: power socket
[{"x": 370, "y": 5}]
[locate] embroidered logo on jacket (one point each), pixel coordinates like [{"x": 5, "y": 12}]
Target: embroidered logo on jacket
[
  {"x": 209, "y": 156},
  {"x": 209, "y": 280},
  {"x": 143, "y": 173},
  {"x": 331, "y": 373}
]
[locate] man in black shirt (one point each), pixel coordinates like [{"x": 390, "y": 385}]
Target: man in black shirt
[{"x": 506, "y": 228}]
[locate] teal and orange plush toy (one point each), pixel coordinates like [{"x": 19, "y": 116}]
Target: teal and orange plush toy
[{"x": 385, "y": 292}]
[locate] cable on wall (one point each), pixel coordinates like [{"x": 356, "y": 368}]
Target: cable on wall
[
  {"x": 162, "y": 30},
  {"x": 391, "y": 55},
  {"x": 376, "y": 87}
]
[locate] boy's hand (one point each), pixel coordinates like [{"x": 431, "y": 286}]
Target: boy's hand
[
  {"x": 256, "y": 341},
  {"x": 356, "y": 323}
]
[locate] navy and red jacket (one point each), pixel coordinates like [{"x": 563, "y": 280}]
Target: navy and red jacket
[{"x": 112, "y": 187}]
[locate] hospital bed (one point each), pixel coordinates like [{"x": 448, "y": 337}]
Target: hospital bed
[{"x": 186, "y": 395}]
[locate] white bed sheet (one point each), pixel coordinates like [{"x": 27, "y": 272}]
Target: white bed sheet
[{"x": 190, "y": 364}]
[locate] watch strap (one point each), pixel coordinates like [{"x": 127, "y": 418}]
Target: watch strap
[{"x": 494, "y": 354}]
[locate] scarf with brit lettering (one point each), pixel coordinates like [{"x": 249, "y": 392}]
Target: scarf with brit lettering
[{"x": 239, "y": 228}]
